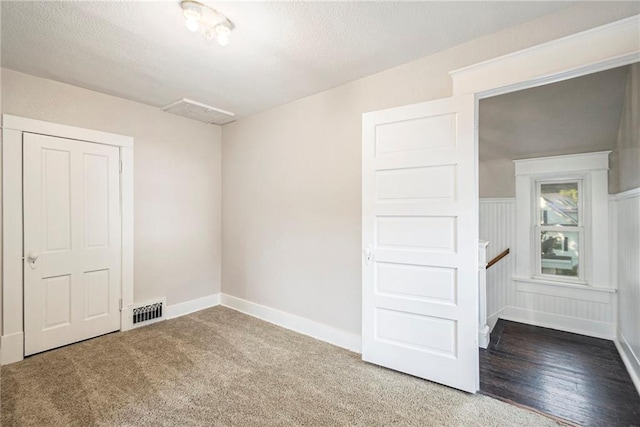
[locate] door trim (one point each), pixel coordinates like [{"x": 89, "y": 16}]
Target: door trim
[
  {"x": 12, "y": 313},
  {"x": 597, "y": 49}
]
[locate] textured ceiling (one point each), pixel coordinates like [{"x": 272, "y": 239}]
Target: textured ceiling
[
  {"x": 574, "y": 116},
  {"x": 279, "y": 51}
]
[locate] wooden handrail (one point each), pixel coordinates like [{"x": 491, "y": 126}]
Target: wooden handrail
[{"x": 498, "y": 257}]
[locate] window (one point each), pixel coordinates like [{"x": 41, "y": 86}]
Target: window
[
  {"x": 559, "y": 229},
  {"x": 562, "y": 223}
]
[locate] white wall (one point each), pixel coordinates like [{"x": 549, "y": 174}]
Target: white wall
[
  {"x": 628, "y": 226},
  {"x": 291, "y": 176},
  {"x": 628, "y": 255},
  {"x": 177, "y": 181}
]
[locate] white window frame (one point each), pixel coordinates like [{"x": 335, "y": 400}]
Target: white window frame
[
  {"x": 591, "y": 169},
  {"x": 581, "y": 229}
]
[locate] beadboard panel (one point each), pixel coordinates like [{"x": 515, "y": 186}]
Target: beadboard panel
[
  {"x": 497, "y": 225},
  {"x": 588, "y": 310},
  {"x": 628, "y": 266}
]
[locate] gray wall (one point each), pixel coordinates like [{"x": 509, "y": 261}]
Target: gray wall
[
  {"x": 497, "y": 174},
  {"x": 628, "y": 148}
]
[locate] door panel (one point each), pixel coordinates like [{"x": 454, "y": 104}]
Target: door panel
[
  {"x": 96, "y": 291},
  {"x": 57, "y": 201},
  {"x": 57, "y": 301},
  {"x": 433, "y": 182},
  {"x": 420, "y": 223},
  {"x": 417, "y": 281},
  {"x": 71, "y": 241}
]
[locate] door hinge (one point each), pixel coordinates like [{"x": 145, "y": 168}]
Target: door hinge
[
  {"x": 120, "y": 166},
  {"x": 120, "y": 303}
]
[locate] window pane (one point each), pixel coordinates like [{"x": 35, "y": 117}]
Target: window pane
[
  {"x": 559, "y": 203},
  {"x": 560, "y": 253}
]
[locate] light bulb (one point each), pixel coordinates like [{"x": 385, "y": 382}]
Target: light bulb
[
  {"x": 222, "y": 32},
  {"x": 190, "y": 12},
  {"x": 192, "y": 24},
  {"x": 222, "y": 39}
]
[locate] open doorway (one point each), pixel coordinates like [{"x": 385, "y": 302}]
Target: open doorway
[{"x": 551, "y": 302}]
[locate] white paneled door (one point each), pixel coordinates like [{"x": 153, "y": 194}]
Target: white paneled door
[
  {"x": 72, "y": 236},
  {"x": 420, "y": 241}
]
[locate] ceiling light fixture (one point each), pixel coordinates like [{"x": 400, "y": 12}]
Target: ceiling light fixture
[{"x": 211, "y": 23}]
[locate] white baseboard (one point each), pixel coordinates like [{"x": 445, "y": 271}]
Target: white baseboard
[
  {"x": 631, "y": 360},
  {"x": 191, "y": 306},
  {"x": 484, "y": 337},
  {"x": 493, "y": 319},
  {"x": 12, "y": 348},
  {"x": 316, "y": 330},
  {"x": 562, "y": 323}
]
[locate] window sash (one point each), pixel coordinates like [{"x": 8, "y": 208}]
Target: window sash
[
  {"x": 538, "y": 196},
  {"x": 538, "y": 229}
]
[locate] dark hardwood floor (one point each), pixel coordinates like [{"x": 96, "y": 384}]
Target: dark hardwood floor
[{"x": 573, "y": 377}]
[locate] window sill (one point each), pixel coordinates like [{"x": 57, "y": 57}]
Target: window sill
[
  {"x": 570, "y": 282},
  {"x": 578, "y": 291}
]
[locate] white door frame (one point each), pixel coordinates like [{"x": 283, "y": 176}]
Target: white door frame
[
  {"x": 598, "y": 49},
  {"x": 612, "y": 45},
  {"x": 12, "y": 341}
]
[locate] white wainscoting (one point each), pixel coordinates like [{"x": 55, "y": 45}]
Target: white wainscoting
[
  {"x": 498, "y": 227},
  {"x": 525, "y": 304},
  {"x": 628, "y": 268}
]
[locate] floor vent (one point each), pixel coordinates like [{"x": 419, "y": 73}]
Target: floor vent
[{"x": 148, "y": 313}]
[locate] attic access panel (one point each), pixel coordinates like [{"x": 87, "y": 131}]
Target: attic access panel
[{"x": 201, "y": 112}]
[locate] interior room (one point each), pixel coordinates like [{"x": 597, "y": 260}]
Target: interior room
[
  {"x": 298, "y": 213},
  {"x": 551, "y": 334}
]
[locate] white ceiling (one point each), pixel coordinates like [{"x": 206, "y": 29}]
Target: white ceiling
[
  {"x": 580, "y": 115},
  {"x": 279, "y": 51}
]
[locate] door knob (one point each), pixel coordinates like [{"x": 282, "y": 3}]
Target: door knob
[
  {"x": 368, "y": 255},
  {"x": 32, "y": 258}
]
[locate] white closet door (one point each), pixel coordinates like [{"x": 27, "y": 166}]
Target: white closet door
[
  {"x": 72, "y": 236},
  {"x": 420, "y": 241}
]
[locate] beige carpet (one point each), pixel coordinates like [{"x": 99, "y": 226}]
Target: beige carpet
[{"x": 219, "y": 367}]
